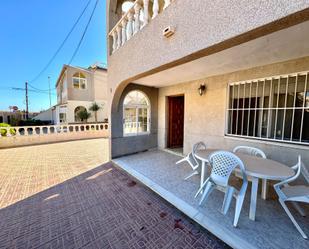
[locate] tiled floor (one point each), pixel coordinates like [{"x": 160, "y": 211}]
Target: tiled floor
[
  {"x": 55, "y": 196},
  {"x": 272, "y": 228}
]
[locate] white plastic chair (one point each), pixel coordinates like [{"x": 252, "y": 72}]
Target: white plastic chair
[
  {"x": 251, "y": 151},
  {"x": 192, "y": 160},
  {"x": 223, "y": 164},
  {"x": 298, "y": 193}
]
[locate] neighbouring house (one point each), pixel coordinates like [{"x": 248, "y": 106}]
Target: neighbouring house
[
  {"x": 11, "y": 117},
  {"x": 77, "y": 89}
]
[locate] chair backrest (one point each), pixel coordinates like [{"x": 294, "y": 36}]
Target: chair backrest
[
  {"x": 199, "y": 146},
  {"x": 191, "y": 156},
  {"x": 302, "y": 169},
  {"x": 223, "y": 163},
  {"x": 250, "y": 151},
  {"x": 285, "y": 182}
]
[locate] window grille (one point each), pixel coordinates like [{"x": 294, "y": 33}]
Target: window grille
[{"x": 274, "y": 108}]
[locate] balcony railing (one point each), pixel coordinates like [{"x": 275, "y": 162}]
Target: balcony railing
[{"x": 131, "y": 22}]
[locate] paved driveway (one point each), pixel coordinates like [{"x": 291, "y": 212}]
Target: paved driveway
[{"x": 56, "y": 196}]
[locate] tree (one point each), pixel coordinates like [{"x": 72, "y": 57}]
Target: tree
[
  {"x": 84, "y": 115},
  {"x": 95, "y": 107}
]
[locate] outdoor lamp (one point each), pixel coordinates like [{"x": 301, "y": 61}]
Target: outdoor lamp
[{"x": 202, "y": 89}]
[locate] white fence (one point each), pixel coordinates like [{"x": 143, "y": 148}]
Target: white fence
[
  {"x": 31, "y": 135},
  {"x": 51, "y": 129}
]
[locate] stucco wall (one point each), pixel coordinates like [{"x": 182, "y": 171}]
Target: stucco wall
[
  {"x": 201, "y": 27},
  {"x": 127, "y": 145},
  {"x": 205, "y": 115},
  {"x": 19, "y": 141},
  {"x": 80, "y": 94}
]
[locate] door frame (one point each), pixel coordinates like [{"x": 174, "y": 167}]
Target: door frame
[{"x": 167, "y": 118}]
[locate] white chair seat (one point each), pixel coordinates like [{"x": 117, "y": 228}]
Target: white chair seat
[{"x": 292, "y": 192}]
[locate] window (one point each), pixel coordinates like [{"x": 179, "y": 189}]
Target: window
[
  {"x": 79, "y": 81},
  {"x": 136, "y": 114},
  {"x": 275, "y": 108},
  {"x": 62, "y": 117}
]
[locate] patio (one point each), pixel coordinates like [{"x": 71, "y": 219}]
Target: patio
[{"x": 272, "y": 228}]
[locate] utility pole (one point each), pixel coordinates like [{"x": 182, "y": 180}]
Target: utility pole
[
  {"x": 27, "y": 107},
  {"x": 49, "y": 91}
]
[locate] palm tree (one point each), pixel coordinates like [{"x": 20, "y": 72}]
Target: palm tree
[
  {"x": 84, "y": 115},
  {"x": 95, "y": 107}
]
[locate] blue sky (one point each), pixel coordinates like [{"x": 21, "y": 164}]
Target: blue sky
[{"x": 31, "y": 32}]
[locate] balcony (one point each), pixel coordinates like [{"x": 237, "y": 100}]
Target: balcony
[{"x": 135, "y": 19}]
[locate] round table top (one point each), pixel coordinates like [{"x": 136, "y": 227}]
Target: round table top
[{"x": 256, "y": 166}]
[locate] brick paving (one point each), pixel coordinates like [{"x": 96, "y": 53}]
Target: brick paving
[{"x": 65, "y": 202}]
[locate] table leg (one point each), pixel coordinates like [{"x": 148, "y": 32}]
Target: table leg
[
  {"x": 264, "y": 189},
  {"x": 254, "y": 191},
  {"x": 202, "y": 173}
]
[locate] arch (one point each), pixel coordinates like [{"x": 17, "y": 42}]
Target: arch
[
  {"x": 76, "y": 110},
  {"x": 136, "y": 113},
  {"x": 79, "y": 81}
]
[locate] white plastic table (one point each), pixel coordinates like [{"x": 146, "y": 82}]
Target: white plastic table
[{"x": 257, "y": 168}]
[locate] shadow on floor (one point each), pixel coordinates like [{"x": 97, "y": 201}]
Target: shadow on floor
[{"x": 101, "y": 208}]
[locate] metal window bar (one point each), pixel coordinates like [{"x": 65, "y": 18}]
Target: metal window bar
[
  {"x": 276, "y": 119},
  {"x": 269, "y": 103},
  {"x": 303, "y": 110},
  {"x": 256, "y": 98},
  {"x": 236, "y": 130},
  {"x": 271, "y": 107},
  {"x": 294, "y": 105},
  {"x": 262, "y": 108},
  {"x": 243, "y": 106},
  {"x": 249, "y": 112},
  {"x": 285, "y": 104}
]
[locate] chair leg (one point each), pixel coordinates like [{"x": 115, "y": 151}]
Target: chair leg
[
  {"x": 239, "y": 203},
  {"x": 299, "y": 209},
  {"x": 292, "y": 219},
  {"x": 227, "y": 200},
  {"x": 192, "y": 174},
  {"x": 201, "y": 188},
  {"x": 181, "y": 160},
  {"x": 208, "y": 189}
]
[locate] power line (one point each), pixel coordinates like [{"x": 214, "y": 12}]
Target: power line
[
  {"x": 62, "y": 44},
  {"x": 41, "y": 90},
  {"x": 84, "y": 33}
]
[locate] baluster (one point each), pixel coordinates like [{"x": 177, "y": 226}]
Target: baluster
[
  {"x": 137, "y": 9},
  {"x": 155, "y": 8},
  {"x": 166, "y": 3},
  {"x": 114, "y": 34},
  {"x": 124, "y": 31},
  {"x": 118, "y": 36},
  {"x": 146, "y": 12},
  {"x": 130, "y": 25}
]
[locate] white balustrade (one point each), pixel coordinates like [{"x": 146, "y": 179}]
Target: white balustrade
[
  {"x": 155, "y": 8},
  {"x": 166, "y": 3},
  {"x": 137, "y": 9},
  {"x": 130, "y": 25},
  {"x": 130, "y": 22},
  {"x": 51, "y": 129},
  {"x": 124, "y": 31}
]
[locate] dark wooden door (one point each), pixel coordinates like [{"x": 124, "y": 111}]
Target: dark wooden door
[{"x": 175, "y": 121}]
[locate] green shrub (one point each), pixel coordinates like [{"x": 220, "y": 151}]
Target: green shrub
[{"x": 4, "y": 131}]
